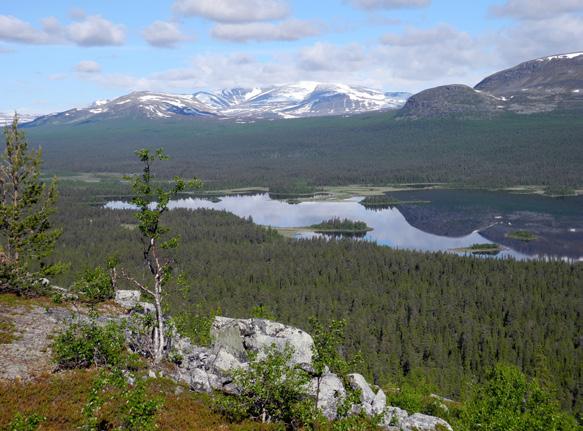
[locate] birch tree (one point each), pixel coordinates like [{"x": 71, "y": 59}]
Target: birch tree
[{"x": 152, "y": 202}]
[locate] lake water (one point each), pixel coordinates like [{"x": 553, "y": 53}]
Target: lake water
[{"x": 452, "y": 219}]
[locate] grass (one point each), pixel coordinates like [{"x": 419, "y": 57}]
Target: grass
[
  {"x": 6, "y": 331},
  {"x": 382, "y": 201},
  {"x": 521, "y": 235},
  {"x": 60, "y": 399}
]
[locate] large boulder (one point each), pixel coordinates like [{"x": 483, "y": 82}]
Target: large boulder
[
  {"x": 393, "y": 417},
  {"x": 241, "y": 336},
  {"x": 421, "y": 422},
  {"x": 330, "y": 392},
  {"x": 358, "y": 383}
]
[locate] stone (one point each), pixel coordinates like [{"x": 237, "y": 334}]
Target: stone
[
  {"x": 330, "y": 394},
  {"x": 240, "y": 336},
  {"x": 358, "y": 382},
  {"x": 146, "y": 307},
  {"x": 199, "y": 381},
  {"x": 379, "y": 403},
  {"x": 127, "y": 298},
  {"x": 224, "y": 362},
  {"x": 421, "y": 422},
  {"x": 393, "y": 417}
]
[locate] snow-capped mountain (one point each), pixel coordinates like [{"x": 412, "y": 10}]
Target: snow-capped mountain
[
  {"x": 302, "y": 99},
  {"x": 6, "y": 119}
]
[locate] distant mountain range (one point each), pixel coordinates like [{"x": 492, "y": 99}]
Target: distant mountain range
[
  {"x": 542, "y": 85},
  {"x": 304, "y": 99}
]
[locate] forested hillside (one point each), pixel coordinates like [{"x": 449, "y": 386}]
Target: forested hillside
[
  {"x": 542, "y": 149},
  {"x": 438, "y": 315}
]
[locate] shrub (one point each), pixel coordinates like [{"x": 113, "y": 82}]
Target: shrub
[
  {"x": 94, "y": 285},
  {"x": 270, "y": 391},
  {"x": 25, "y": 423},
  {"x": 113, "y": 403},
  {"x": 508, "y": 400},
  {"x": 84, "y": 345}
]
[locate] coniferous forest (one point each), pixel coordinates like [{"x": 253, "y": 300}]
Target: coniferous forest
[{"x": 439, "y": 317}]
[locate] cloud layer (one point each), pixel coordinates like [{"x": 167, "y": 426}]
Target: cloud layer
[
  {"x": 163, "y": 34},
  {"x": 260, "y": 31},
  {"x": 233, "y": 11},
  {"x": 388, "y": 4},
  {"x": 87, "y": 31}
]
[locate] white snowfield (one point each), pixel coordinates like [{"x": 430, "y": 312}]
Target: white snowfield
[{"x": 561, "y": 56}]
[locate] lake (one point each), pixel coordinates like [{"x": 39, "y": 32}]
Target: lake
[{"x": 451, "y": 219}]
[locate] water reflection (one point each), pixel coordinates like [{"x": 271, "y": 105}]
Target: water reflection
[{"x": 390, "y": 226}]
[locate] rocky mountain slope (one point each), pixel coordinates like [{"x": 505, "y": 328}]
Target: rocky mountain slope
[
  {"x": 542, "y": 85},
  {"x": 304, "y": 99}
]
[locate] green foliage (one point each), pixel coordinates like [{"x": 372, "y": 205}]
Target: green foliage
[
  {"x": 522, "y": 235},
  {"x": 508, "y": 400},
  {"x": 26, "y": 205},
  {"x": 339, "y": 225},
  {"x": 25, "y": 423},
  {"x": 262, "y": 312},
  {"x": 270, "y": 391},
  {"x": 94, "y": 285},
  {"x": 111, "y": 389},
  {"x": 82, "y": 345},
  {"x": 196, "y": 325}
]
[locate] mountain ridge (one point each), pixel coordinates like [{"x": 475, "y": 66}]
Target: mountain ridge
[
  {"x": 544, "y": 84},
  {"x": 302, "y": 99}
]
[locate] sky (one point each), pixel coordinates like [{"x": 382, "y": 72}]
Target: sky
[{"x": 59, "y": 54}]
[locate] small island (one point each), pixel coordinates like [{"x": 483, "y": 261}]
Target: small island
[
  {"x": 337, "y": 226},
  {"x": 386, "y": 201},
  {"x": 482, "y": 249},
  {"x": 521, "y": 235}
]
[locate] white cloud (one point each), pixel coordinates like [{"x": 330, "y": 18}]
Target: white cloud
[
  {"x": 13, "y": 29},
  {"x": 329, "y": 57},
  {"x": 87, "y": 31},
  {"x": 388, "y": 4},
  {"x": 163, "y": 34},
  {"x": 233, "y": 11},
  {"x": 96, "y": 31},
  {"x": 533, "y": 39},
  {"x": 289, "y": 30},
  {"x": 536, "y": 9},
  {"x": 88, "y": 66}
]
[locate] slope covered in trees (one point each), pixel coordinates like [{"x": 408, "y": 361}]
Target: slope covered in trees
[
  {"x": 442, "y": 316},
  {"x": 373, "y": 148}
]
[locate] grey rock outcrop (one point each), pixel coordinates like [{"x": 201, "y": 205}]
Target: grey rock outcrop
[
  {"x": 128, "y": 298},
  {"x": 207, "y": 369},
  {"x": 330, "y": 392},
  {"x": 239, "y": 336},
  {"x": 421, "y": 422}
]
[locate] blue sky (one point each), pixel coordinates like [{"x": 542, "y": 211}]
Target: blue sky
[{"x": 60, "y": 54}]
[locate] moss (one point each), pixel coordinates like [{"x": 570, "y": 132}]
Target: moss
[{"x": 6, "y": 331}]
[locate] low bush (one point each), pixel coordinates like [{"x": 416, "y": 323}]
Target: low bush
[
  {"x": 83, "y": 345},
  {"x": 270, "y": 391},
  {"x": 94, "y": 285}
]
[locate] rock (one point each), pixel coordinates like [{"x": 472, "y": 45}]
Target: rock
[
  {"x": 199, "y": 381},
  {"x": 239, "y": 336},
  {"x": 127, "y": 298},
  {"x": 224, "y": 362},
  {"x": 331, "y": 394},
  {"x": 358, "y": 382},
  {"x": 421, "y": 422},
  {"x": 379, "y": 403},
  {"x": 393, "y": 417},
  {"x": 151, "y": 374}
]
